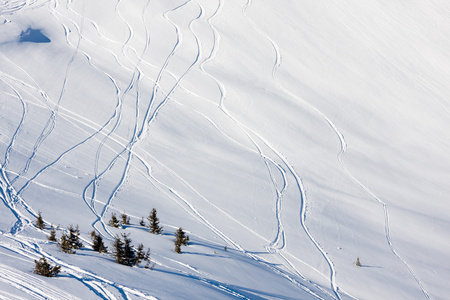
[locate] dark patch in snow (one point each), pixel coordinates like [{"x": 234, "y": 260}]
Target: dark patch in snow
[{"x": 33, "y": 36}]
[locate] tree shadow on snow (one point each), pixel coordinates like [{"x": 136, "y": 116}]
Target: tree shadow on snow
[{"x": 367, "y": 266}]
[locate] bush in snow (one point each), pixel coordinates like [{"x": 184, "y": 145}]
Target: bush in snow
[
  {"x": 52, "y": 236},
  {"x": 40, "y": 221},
  {"x": 114, "y": 222},
  {"x": 42, "y": 267},
  {"x": 125, "y": 219}
]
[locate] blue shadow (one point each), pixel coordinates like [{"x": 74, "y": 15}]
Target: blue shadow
[{"x": 33, "y": 36}]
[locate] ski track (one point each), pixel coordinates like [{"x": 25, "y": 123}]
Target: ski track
[
  {"x": 18, "y": 129},
  {"x": 34, "y": 84},
  {"x": 280, "y": 236},
  {"x": 13, "y": 6}
]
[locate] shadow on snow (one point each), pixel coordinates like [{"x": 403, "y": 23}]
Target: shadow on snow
[{"x": 33, "y": 36}]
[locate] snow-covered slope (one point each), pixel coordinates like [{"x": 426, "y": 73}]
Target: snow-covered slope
[{"x": 287, "y": 138}]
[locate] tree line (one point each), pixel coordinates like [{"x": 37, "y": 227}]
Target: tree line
[{"x": 123, "y": 251}]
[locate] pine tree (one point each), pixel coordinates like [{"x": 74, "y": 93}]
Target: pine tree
[
  {"x": 142, "y": 222},
  {"x": 42, "y": 267},
  {"x": 97, "y": 242},
  {"x": 65, "y": 245},
  {"x": 52, "y": 236},
  {"x": 124, "y": 253},
  {"x": 143, "y": 257},
  {"x": 114, "y": 222},
  {"x": 74, "y": 233},
  {"x": 125, "y": 219},
  {"x": 154, "y": 223},
  {"x": 358, "y": 263},
  {"x": 118, "y": 252},
  {"x": 180, "y": 239},
  {"x": 40, "y": 221},
  {"x": 130, "y": 253}
]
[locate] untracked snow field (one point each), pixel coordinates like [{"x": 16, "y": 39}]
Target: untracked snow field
[{"x": 287, "y": 138}]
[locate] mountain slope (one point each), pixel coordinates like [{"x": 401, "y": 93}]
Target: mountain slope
[{"x": 288, "y": 139}]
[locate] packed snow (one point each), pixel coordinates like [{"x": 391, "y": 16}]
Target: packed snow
[{"x": 287, "y": 138}]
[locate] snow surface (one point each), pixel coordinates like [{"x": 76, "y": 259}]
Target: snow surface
[{"x": 299, "y": 135}]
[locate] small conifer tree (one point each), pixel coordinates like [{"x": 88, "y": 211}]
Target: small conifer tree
[
  {"x": 114, "y": 222},
  {"x": 52, "y": 236},
  {"x": 142, "y": 222},
  {"x": 124, "y": 253},
  {"x": 180, "y": 239},
  {"x": 65, "y": 245},
  {"x": 129, "y": 251},
  {"x": 118, "y": 252},
  {"x": 40, "y": 221},
  {"x": 97, "y": 242},
  {"x": 154, "y": 223},
  {"x": 125, "y": 219},
  {"x": 358, "y": 263},
  {"x": 74, "y": 234},
  {"x": 144, "y": 257},
  {"x": 42, "y": 267}
]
